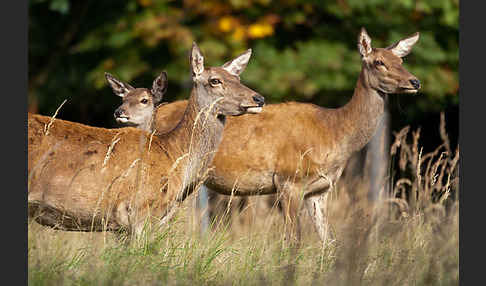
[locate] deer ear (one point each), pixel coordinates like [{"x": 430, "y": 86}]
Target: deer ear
[
  {"x": 404, "y": 46},
  {"x": 119, "y": 88},
  {"x": 364, "y": 43},
  {"x": 197, "y": 60},
  {"x": 238, "y": 64},
  {"x": 159, "y": 87}
]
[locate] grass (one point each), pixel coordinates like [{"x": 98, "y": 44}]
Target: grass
[{"x": 409, "y": 239}]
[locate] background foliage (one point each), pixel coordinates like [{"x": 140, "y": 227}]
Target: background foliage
[{"x": 303, "y": 50}]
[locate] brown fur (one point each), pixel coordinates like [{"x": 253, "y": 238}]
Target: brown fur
[{"x": 168, "y": 115}]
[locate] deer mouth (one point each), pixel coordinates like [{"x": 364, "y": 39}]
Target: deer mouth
[
  {"x": 122, "y": 119},
  {"x": 253, "y": 109},
  {"x": 409, "y": 90}
]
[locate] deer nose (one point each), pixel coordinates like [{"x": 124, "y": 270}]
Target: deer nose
[
  {"x": 260, "y": 100},
  {"x": 415, "y": 83},
  {"x": 118, "y": 112}
]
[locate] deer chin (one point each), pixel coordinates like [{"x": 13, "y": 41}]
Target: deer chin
[
  {"x": 255, "y": 109},
  {"x": 122, "y": 119},
  {"x": 408, "y": 90}
]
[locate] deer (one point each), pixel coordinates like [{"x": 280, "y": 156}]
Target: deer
[
  {"x": 299, "y": 150},
  {"x": 138, "y": 104},
  {"x": 138, "y": 107},
  {"x": 84, "y": 178}
]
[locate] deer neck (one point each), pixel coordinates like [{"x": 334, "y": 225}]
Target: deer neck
[
  {"x": 148, "y": 125},
  {"x": 361, "y": 115},
  {"x": 199, "y": 132}
]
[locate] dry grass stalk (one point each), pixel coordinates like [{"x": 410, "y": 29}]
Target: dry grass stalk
[
  {"x": 53, "y": 118},
  {"x": 431, "y": 177},
  {"x": 110, "y": 149}
]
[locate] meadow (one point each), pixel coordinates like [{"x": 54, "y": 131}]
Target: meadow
[{"x": 409, "y": 237}]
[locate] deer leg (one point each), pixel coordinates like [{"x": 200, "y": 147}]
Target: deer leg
[
  {"x": 169, "y": 214},
  {"x": 290, "y": 202},
  {"x": 138, "y": 227},
  {"x": 203, "y": 208},
  {"x": 316, "y": 205}
]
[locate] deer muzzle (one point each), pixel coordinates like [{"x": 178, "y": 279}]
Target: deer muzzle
[
  {"x": 415, "y": 83},
  {"x": 120, "y": 116},
  {"x": 260, "y": 101},
  {"x": 410, "y": 86}
]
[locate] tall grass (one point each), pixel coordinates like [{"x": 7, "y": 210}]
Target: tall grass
[{"x": 410, "y": 237}]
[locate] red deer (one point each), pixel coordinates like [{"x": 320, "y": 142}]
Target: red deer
[
  {"x": 138, "y": 106},
  {"x": 299, "y": 150},
  {"x": 84, "y": 178},
  {"x": 138, "y": 103}
]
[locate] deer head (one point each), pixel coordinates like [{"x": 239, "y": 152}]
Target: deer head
[
  {"x": 138, "y": 103},
  {"x": 383, "y": 66},
  {"x": 222, "y": 84}
]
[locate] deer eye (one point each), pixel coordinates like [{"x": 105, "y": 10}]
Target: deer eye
[
  {"x": 214, "y": 81},
  {"x": 144, "y": 101},
  {"x": 379, "y": 63}
]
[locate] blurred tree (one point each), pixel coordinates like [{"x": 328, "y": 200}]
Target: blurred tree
[{"x": 303, "y": 50}]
